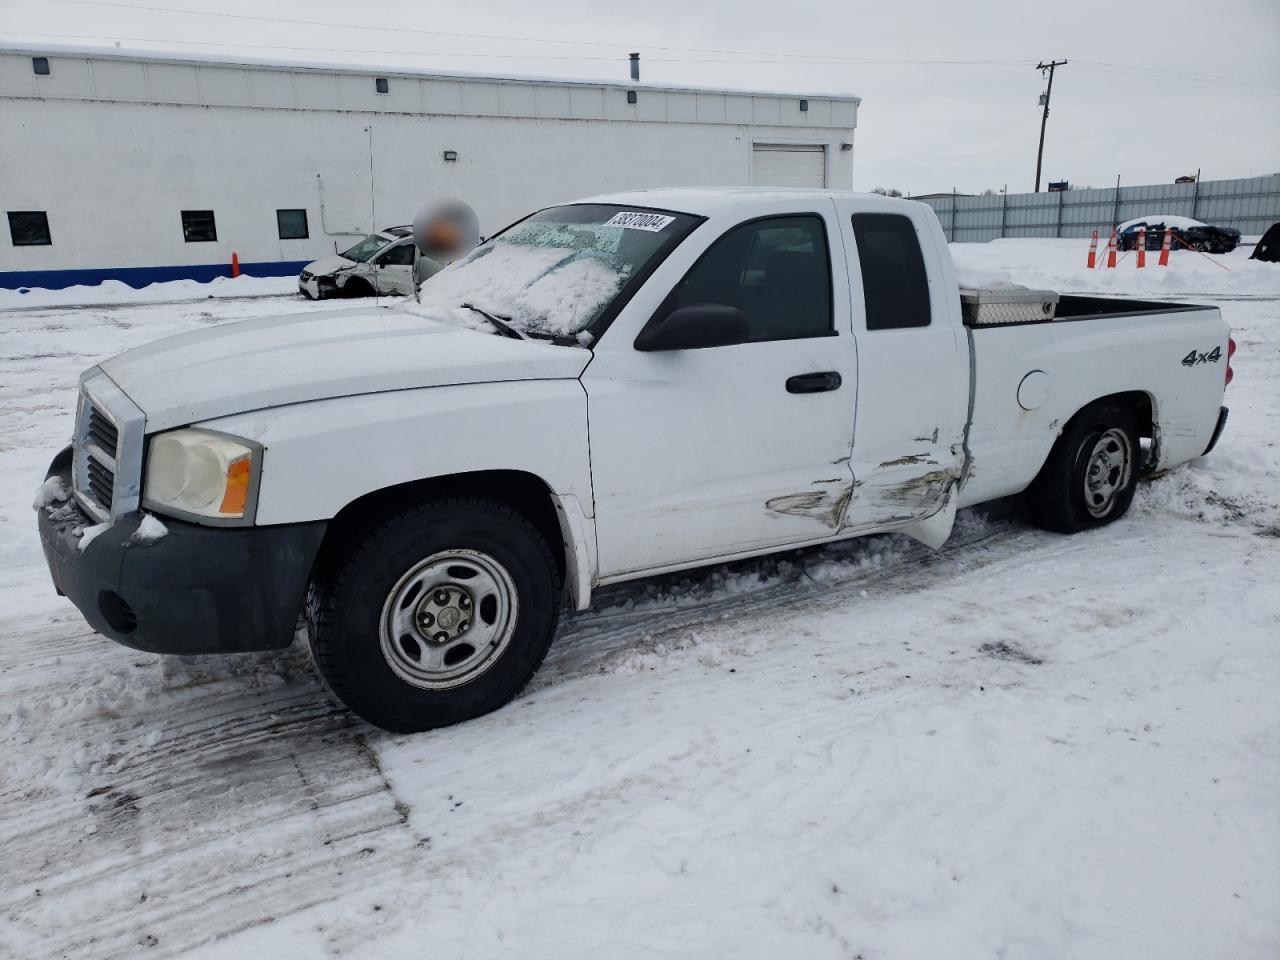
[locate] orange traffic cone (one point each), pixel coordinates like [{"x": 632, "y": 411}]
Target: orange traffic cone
[
  {"x": 1164, "y": 247},
  {"x": 235, "y": 264},
  {"x": 1093, "y": 251},
  {"x": 1142, "y": 247},
  {"x": 1111, "y": 249}
]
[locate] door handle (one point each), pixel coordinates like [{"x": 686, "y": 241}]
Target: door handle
[{"x": 814, "y": 382}]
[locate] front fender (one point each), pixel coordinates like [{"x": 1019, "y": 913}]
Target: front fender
[{"x": 322, "y": 455}]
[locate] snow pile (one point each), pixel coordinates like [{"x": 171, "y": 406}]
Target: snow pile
[
  {"x": 1060, "y": 265},
  {"x": 50, "y": 492},
  {"x": 90, "y": 534},
  {"x": 115, "y": 291},
  {"x": 150, "y": 530}
]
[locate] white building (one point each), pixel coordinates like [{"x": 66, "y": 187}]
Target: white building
[{"x": 144, "y": 167}]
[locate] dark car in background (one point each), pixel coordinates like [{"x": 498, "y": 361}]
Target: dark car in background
[{"x": 1186, "y": 233}]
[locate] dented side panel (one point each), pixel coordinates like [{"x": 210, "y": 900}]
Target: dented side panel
[{"x": 913, "y": 391}]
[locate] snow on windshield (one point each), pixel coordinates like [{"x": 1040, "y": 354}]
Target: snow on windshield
[
  {"x": 552, "y": 275},
  {"x": 548, "y": 290}
]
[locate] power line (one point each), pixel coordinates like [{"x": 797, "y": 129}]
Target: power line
[
  {"x": 287, "y": 21},
  {"x": 310, "y": 49},
  {"x": 745, "y": 57}
]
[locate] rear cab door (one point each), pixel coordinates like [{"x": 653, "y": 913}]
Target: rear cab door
[{"x": 913, "y": 363}]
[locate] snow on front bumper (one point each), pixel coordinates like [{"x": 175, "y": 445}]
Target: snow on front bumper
[{"x": 195, "y": 590}]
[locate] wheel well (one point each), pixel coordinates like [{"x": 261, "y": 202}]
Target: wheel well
[
  {"x": 521, "y": 491},
  {"x": 1143, "y": 408}
]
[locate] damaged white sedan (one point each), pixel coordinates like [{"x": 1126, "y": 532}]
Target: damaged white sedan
[
  {"x": 606, "y": 390},
  {"x": 381, "y": 264}
]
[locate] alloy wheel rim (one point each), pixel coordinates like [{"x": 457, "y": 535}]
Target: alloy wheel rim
[{"x": 448, "y": 619}]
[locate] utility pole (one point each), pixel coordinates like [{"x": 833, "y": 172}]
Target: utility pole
[{"x": 1044, "y": 117}]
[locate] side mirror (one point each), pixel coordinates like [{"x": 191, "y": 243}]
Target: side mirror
[{"x": 695, "y": 327}]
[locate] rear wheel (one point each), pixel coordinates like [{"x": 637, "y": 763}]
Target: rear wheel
[
  {"x": 441, "y": 613},
  {"x": 1092, "y": 471}
]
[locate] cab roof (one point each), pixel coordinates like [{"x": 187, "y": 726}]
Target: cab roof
[{"x": 709, "y": 201}]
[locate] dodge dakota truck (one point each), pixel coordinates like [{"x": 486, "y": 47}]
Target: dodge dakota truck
[{"x": 606, "y": 390}]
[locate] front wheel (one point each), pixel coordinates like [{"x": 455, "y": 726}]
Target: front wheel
[
  {"x": 439, "y": 614},
  {"x": 1092, "y": 472}
]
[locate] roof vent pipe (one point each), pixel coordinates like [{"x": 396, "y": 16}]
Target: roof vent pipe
[{"x": 635, "y": 67}]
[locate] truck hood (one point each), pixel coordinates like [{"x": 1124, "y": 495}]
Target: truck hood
[
  {"x": 327, "y": 266},
  {"x": 257, "y": 364}
]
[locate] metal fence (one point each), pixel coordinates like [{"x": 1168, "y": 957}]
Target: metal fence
[{"x": 1250, "y": 205}]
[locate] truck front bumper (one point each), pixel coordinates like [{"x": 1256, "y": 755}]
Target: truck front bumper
[{"x": 195, "y": 590}]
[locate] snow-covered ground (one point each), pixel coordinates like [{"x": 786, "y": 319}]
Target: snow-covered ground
[
  {"x": 1061, "y": 265},
  {"x": 1021, "y": 746},
  {"x": 111, "y": 292}
]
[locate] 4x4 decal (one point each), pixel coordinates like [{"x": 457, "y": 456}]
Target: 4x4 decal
[{"x": 1195, "y": 358}]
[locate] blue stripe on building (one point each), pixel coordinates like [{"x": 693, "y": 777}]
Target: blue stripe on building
[{"x": 139, "y": 277}]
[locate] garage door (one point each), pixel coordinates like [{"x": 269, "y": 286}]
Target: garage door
[{"x": 789, "y": 165}]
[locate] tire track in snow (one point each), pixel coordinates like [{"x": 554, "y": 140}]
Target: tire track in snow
[{"x": 203, "y": 807}]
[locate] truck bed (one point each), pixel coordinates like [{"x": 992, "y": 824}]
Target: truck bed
[{"x": 1031, "y": 378}]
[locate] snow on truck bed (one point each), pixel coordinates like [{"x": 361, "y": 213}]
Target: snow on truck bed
[{"x": 1023, "y": 745}]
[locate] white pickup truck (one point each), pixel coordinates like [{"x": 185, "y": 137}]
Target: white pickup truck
[{"x": 606, "y": 390}]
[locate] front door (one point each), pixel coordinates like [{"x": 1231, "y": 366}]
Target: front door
[
  {"x": 393, "y": 270},
  {"x": 719, "y": 451}
]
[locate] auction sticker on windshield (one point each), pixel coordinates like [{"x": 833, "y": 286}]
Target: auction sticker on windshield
[{"x": 653, "y": 222}]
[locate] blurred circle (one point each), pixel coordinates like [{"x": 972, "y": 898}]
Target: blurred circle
[{"x": 446, "y": 229}]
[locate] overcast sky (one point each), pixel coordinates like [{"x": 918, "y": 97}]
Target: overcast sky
[{"x": 1153, "y": 90}]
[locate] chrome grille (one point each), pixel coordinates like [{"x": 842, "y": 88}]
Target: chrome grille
[
  {"x": 102, "y": 483},
  {"x": 106, "y": 462},
  {"x": 99, "y": 443},
  {"x": 103, "y": 433}
]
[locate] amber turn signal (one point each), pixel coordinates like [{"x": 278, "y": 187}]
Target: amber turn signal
[{"x": 237, "y": 491}]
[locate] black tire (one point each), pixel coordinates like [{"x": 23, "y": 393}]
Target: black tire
[
  {"x": 352, "y": 593},
  {"x": 355, "y": 288},
  {"x": 1060, "y": 499}
]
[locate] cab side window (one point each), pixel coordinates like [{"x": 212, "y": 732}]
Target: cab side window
[
  {"x": 399, "y": 256},
  {"x": 777, "y": 271},
  {"x": 895, "y": 287}
]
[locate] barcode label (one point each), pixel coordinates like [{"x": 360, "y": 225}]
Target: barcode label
[{"x": 652, "y": 222}]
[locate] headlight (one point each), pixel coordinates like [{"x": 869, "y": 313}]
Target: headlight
[{"x": 201, "y": 473}]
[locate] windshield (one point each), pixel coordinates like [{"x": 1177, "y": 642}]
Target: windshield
[
  {"x": 366, "y": 248},
  {"x": 554, "y": 274}
]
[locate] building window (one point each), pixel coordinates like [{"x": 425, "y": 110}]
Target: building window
[
  {"x": 29, "y": 228},
  {"x": 198, "y": 226},
  {"x": 40, "y": 66},
  {"x": 381, "y": 85},
  {"x": 895, "y": 286},
  {"x": 292, "y": 224}
]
